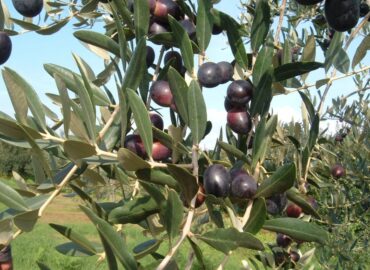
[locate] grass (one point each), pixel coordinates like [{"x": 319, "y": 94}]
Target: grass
[{"x": 38, "y": 246}]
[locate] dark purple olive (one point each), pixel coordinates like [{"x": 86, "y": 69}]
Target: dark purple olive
[
  {"x": 150, "y": 56},
  {"x": 160, "y": 152},
  {"x": 216, "y": 30},
  {"x": 342, "y": 15},
  {"x": 189, "y": 27},
  {"x": 239, "y": 121},
  {"x": 156, "y": 120},
  {"x": 271, "y": 207},
  {"x": 156, "y": 28},
  {"x": 293, "y": 211},
  {"x": 209, "y": 74},
  {"x": 283, "y": 240},
  {"x": 163, "y": 8},
  {"x": 216, "y": 180},
  {"x": 134, "y": 143},
  {"x": 176, "y": 62},
  {"x": 308, "y": 2},
  {"x": 243, "y": 186},
  {"x": 160, "y": 92},
  {"x": 240, "y": 92},
  {"x": 28, "y": 8},
  {"x": 227, "y": 71},
  {"x": 5, "y": 47},
  {"x": 294, "y": 256},
  {"x": 338, "y": 171},
  {"x": 364, "y": 9}
]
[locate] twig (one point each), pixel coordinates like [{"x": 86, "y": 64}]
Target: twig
[
  {"x": 189, "y": 219},
  {"x": 247, "y": 213},
  {"x": 332, "y": 79},
  {"x": 58, "y": 189},
  {"x": 281, "y": 18},
  {"x": 107, "y": 124},
  {"x": 224, "y": 261},
  {"x": 351, "y": 37}
]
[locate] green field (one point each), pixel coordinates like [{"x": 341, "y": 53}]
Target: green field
[{"x": 38, "y": 246}]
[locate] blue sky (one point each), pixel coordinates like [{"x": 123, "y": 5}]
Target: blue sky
[{"x": 31, "y": 51}]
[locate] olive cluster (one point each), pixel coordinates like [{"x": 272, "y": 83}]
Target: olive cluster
[
  {"x": 237, "y": 183},
  {"x": 341, "y": 15},
  {"x": 134, "y": 143}
]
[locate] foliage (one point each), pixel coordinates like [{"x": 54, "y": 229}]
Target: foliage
[
  {"x": 110, "y": 141},
  {"x": 14, "y": 159}
]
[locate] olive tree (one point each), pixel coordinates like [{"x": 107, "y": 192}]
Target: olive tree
[{"x": 256, "y": 178}]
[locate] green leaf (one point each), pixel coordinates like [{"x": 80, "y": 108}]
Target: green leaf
[
  {"x": 26, "y": 221},
  {"x": 75, "y": 237},
  {"x": 280, "y": 181},
  {"x": 130, "y": 161},
  {"x": 341, "y": 61},
  {"x": 198, "y": 253},
  {"x": 262, "y": 138},
  {"x": 297, "y": 229},
  {"x": 314, "y": 132},
  {"x": 235, "y": 41},
  {"x": 309, "y": 52},
  {"x": 11, "y": 198},
  {"x": 122, "y": 9},
  {"x": 263, "y": 63},
  {"x": 26, "y": 25},
  {"x": 173, "y": 214},
  {"x": 77, "y": 149},
  {"x": 186, "y": 181},
  {"x": 136, "y": 68},
  {"x": 69, "y": 78},
  {"x": 158, "y": 177},
  {"x": 141, "y": 18},
  {"x": 66, "y": 107},
  {"x": 183, "y": 42},
  {"x": 87, "y": 107},
  {"x": 99, "y": 40},
  {"x": 72, "y": 249},
  {"x": 168, "y": 39},
  {"x": 134, "y": 211},
  {"x": 226, "y": 240},
  {"x": 12, "y": 130},
  {"x": 146, "y": 248},
  {"x": 179, "y": 90},
  {"x": 309, "y": 106},
  {"x": 17, "y": 95},
  {"x": 197, "y": 112},
  {"x": 262, "y": 96},
  {"x": 361, "y": 51},
  {"x": 335, "y": 46},
  {"x": 257, "y": 217},
  {"x": 113, "y": 238},
  {"x": 204, "y": 24},
  {"x": 260, "y": 25},
  {"x": 53, "y": 28},
  {"x": 291, "y": 70},
  {"x": 232, "y": 150},
  {"x": 299, "y": 199},
  {"x": 142, "y": 120}
]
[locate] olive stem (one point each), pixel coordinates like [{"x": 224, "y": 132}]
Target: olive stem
[
  {"x": 189, "y": 219},
  {"x": 331, "y": 79},
  {"x": 247, "y": 213},
  {"x": 281, "y": 18},
  {"x": 185, "y": 232},
  {"x": 58, "y": 189},
  {"x": 224, "y": 261},
  {"x": 107, "y": 124}
]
